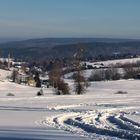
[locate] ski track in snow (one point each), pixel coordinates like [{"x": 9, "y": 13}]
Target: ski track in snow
[
  {"x": 102, "y": 116},
  {"x": 107, "y": 124}
]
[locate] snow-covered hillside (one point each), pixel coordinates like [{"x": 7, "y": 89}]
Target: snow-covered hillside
[
  {"x": 113, "y": 62},
  {"x": 109, "y": 110},
  {"x": 101, "y": 113},
  {"x": 4, "y": 74}
]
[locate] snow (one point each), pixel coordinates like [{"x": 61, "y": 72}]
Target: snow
[
  {"x": 4, "y": 74},
  {"x": 113, "y": 62},
  {"x": 98, "y": 114},
  {"x": 98, "y": 66}
]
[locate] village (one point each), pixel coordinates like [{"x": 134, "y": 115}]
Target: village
[{"x": 20, "y": 73}]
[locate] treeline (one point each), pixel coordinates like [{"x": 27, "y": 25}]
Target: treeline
[{"x": 115, "y": 74}]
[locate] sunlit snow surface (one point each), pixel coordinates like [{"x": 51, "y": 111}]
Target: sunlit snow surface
[{"x": 101, "y": 113}]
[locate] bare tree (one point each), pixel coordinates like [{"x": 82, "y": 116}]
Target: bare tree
[
  {"x": 55, "y": 74},
  {"x": 131, "y": 72},
  {"x": 14, "y": 75},
  {"x": 55, "y": 77},
  {"x": 105, "y": 74},
  {"x": 79, "y": 79},
  {"x": 37, "y": 80}
]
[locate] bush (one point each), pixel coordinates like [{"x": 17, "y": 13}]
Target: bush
[
  {"x": 40, "y": 93},
  {"x": 108, "y": 74},
  {"x": 62, "y": 88},
  {"x": 79, "y": 88},
  {"x": 97, "y": 76},
  {"x": 121, "y": 92},
  {"x": 78, "y": 77},
  {"x": 112, "y": 74},
  {"x": 10, "y": 94},
  {"x": 131, "y": 72},
  {"x": 116, "y": 76},
  {"x": 105, "y": 74}
]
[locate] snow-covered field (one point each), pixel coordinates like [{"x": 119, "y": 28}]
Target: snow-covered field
[
  {"x": 102, "y": 113},
  {"x": 114, "y": 62},
  {"x": 4, "y": 74}
]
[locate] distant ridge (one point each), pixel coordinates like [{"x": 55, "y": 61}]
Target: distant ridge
[
  {"x": 49, "y": 42},
  {"x": 65, "y": 47}
]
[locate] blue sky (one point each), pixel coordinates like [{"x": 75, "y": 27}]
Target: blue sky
[{"x": 69, "y": 18}]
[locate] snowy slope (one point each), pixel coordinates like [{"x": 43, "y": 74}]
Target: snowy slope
[
  {"x": 113, "y": 62},
  {"x": 98, "y": 114},
  {"x": 102, "y": 113},
  {"x": 4, "y": 74}
]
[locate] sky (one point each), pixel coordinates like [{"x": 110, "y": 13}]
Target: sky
[{"x": 69, "y": 18}]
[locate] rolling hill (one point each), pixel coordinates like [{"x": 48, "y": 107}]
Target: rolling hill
[{"x": 66, "y": 47}]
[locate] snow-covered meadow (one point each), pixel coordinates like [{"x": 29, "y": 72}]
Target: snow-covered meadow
[
  {"x": 114, "y": 62},
  {"x": 109, "y": 110}
]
